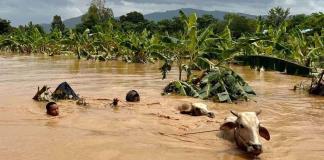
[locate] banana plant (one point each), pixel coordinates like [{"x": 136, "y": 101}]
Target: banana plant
[
  {"x": 172, "y": 50},
  {"x": 140, "y": 46},
  {"x": 304, "y": 48},
  {"x": 219, "y": 84},
  {"x": 199, "y": 51},
  {"x": 294, "y": 46},
  {"x": 190, "y": 45},
  {"x": 203, "y": 49}
]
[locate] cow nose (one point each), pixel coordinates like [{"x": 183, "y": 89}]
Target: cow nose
[{"x": 257, "y": 148}]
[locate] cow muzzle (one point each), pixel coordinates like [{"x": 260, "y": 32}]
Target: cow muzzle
[{"x": 254, "y": 149}]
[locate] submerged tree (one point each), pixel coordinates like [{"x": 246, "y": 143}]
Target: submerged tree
[
  {"x": 277, "y": 15},
  {"x": 57, "y": 23},
  {"x": 97, "y": 14},
  {"x": 296, "y": 21},
  {"x": 135, "y": 22},
  {"x": 103, "y": 12},
  {"x": 205, "y": 21},
  {"x": 134, "y": 17},
  {"x": 240, "y": 25},
  {"x": 171, "y": 26},
  {"x": 4, "y": 26}
]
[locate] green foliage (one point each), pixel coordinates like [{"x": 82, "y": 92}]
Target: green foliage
[
  {"x": 277, "y": 16},
  {"x": 240, "y": 25},
  {"x": 90, "y": 19},
  {"x": 5, "y": 26},
  {"x": 294, "y": 45},
  {"x": 190, "y": 42},
  {"x": 296, "y": 21},
  {"x": 135, "y": 22},
  {"x": 57, "y": 23},
  {"x": 104, "y": 13},
  {"x": 187, "y": 46},
  {"x": 97, "y": 14},
  {"x": 25, "y": 39},
  {"x": 172, "y": 27},
  {"x": 219, "y": 84},
  {"x": 315, "y": 22},
  {"x": 140, "y": 47},
  {"x": 200, "y": 48},
  {"x": 205, "y": 21},
  {"x": 133, "y": 17}
]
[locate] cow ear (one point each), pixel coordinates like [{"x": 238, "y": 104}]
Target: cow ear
[
  {"x": 228, "y": 125},
  {"x": 264, "y": 133}
]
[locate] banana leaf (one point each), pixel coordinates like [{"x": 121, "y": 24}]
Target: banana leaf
[
  {"x": 129, "y": 45},
  {"x": 273, "y": 63},
  {"x": 190, "y": 90},
  {"x": 224, "y": 97},
  {"x": 206, "y": 33},
  {"x": 181, "y": 88},
  {"x": 168, "y": 39},
  {"x": 204, "y": 63},
  {"x": 205, "y": 92},
  {"x": 178, "y": 85},
  {"x": 220, "y": 83}
]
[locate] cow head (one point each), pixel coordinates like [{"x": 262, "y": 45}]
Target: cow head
[{"x": 247, "y": 131}]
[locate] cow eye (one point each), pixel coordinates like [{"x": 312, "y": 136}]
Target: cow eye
[{"x": 241, "y": 126}]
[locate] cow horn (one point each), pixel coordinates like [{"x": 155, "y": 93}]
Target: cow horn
[
  {"x": 235, "y": 113},
  {"x": 258, "y": 112}
]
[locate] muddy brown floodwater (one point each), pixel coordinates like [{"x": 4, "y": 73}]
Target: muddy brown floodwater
[{"x": 294, "y": 119}]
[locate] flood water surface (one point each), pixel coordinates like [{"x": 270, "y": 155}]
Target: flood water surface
[{"x": 142, "y": 130}]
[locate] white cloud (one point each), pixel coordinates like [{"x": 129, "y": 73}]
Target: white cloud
[{"x": 300, "y": 6}]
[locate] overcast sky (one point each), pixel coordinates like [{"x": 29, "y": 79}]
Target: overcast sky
[{"x": 42, "y": 11}]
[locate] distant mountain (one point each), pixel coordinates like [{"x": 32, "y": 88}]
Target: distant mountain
[
  {"x": 72, "y": 22},
  {"x": 157, "y": 16}
]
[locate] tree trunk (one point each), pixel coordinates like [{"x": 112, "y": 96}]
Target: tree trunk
[{"x": 180, "y": 72}]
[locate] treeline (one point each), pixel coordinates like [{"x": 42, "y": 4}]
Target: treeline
[
  {"x": 132, "y": 38},
  {"x": 98, "y": 15}
]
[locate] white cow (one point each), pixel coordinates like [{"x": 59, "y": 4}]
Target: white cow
[
  {"x": 246, "y": 130},
  {"x": 195, "y": 109}
]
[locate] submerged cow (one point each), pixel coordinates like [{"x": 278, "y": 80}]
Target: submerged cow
[
  {"x": 195, "y": 109},
  {"x": 246, "y": 130}
]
